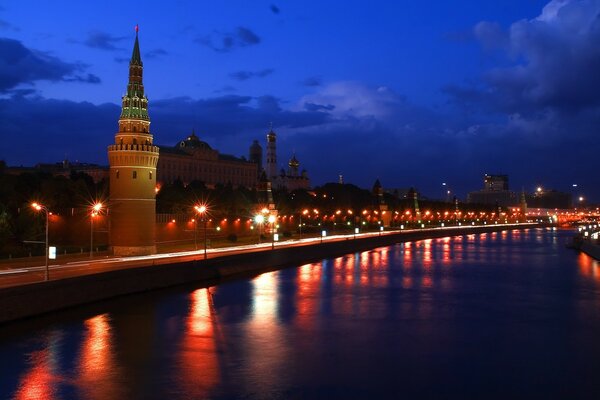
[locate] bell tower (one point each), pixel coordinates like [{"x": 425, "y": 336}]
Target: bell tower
[
  {"x": 271, "y": 155},
  {"x": 133, "y": 160}
]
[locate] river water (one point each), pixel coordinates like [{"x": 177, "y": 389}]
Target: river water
[{"x": 496, "y": 315}]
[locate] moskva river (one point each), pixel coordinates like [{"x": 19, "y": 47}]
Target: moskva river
[{"x": 499, "y": 315}]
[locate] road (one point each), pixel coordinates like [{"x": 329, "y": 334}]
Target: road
[{"x": 20, "y": 272}]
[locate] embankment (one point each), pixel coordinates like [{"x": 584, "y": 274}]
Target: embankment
[
  {"x": 44, "y": 297},
  {"x": 591, "y": 249}
]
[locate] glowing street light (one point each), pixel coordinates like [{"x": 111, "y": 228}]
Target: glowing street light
[
  {"x": 304, "y": 212},
  {"x": 260, "y": 220},
  {"x": 201, "y": 209},
  {"x": 39, "y": 207},
  {"x": 95, "y": 210}
]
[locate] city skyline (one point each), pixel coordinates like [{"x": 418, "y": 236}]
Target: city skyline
[{"x": 517, "y": 93}]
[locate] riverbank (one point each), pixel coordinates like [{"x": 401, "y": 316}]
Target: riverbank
[
  {"x": 591, "y": 249},
  {"x": 45, "y": 297}
]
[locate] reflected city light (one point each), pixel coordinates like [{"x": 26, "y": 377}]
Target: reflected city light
[
  {"x": 588, "y": 267},
  {"x": 40, "y": 382},
  {"x": 198, "y": 358},
  {"x": 96, "y": 365}
]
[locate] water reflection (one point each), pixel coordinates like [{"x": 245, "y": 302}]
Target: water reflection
[
  {"x": 42, "y": 378},
  {"x": 390, "y": 314},
  {"x": 198, "y": 361},
  {"x": 588, "y": 267},
  {"x": 96, "y": 364}
]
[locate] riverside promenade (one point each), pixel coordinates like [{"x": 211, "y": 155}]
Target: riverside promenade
[{"x": 24, "y": 294}]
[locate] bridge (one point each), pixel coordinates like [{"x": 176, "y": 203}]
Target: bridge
[{"x": 565, "y": 217}]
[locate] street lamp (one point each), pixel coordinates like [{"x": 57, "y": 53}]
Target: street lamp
[
  {"x": 201, "y": 209},
  {"x": 303, "y": 213},
  {"x": 272, "y": 220},
  {"x": 259, "y": 219},
  {"x": 39, "y": 207},
  {"x": 94, "y": 211}
]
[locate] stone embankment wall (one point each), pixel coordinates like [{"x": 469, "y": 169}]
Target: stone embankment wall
[
  {"x": 591, "y": 249},
  {"x": 44, "y": 297}
]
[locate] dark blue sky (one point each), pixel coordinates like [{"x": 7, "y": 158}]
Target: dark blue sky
[{"x": 412, "y": 93}]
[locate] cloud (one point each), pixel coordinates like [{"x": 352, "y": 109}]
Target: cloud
[
  {"x": 21, "y": 65},
  {"x": 226, "y": 42},
  {"x": 88, "y": 78},
  {"x": 155, "y": 53},
  {"x": 225, "y": 89},
  {"x": 318, "y": 107},
  {"x": 103, "y": 41},
  {"x": 274, "y": 9},
  {"x": 352, "y": 98},
  {"x": 312, "y": 81},
  {"x": 245, "y": 75},
  {"x": 4, "y": 25},
  {"x": 47, "y": 129},
  {"x": 550, "y": 62}
]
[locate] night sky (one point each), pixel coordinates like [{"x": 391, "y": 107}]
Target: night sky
[{"x": 413, "y": 93}]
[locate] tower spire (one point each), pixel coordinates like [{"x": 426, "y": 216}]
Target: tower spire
[
  {"x": 135, "y": 103},
  {"x": 136, "y": 59}
]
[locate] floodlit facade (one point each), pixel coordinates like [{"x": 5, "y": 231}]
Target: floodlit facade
[{"x": 133, "y": 160}]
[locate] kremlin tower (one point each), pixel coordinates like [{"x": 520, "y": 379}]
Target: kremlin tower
[
  {"x": 271, "y": 167},
  {"x": 133, "y": 161}
]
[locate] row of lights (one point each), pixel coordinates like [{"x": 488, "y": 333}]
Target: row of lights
[{"x": 94, "y": 211}]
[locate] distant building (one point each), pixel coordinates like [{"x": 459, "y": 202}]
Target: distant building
[
  {"x": 65, "y": 168},
  {"x": 194, "y": 160},
  {"x": 551, "y": 199},
  {"x": 495, "y": 192},
  {"x": 401, "y": 193},
  {"x": 291, "y": 179},
  {"x": 495, "y": 183}
]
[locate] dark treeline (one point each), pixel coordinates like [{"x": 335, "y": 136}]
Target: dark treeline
[{"x": 74, "y": 194}]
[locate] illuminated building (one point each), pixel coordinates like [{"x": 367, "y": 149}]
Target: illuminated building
[
  {"x": 495, "y": 192},
  {"x": 380, "y": 204},
  {"x": 194, "y": 160},
  {"x": 495, "y": 183},
  {"x": 289, "y": 180},
  {"x": 133, "y": 160}
]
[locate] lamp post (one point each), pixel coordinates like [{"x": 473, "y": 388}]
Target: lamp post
[
  {"x": 195, "y": 233},
  {"x": 304, "y": 212},
  {"x": 94, "y": 212},
  {"x": 39, "y": 207},
  {"x": 259, "y": 219},
  {"x": 201, "y": 209},
  {"x": 272, "y": 220}
]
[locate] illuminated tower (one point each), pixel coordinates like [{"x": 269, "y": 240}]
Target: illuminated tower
[
  {"x": 133, "y": 161},
  {"x": 271, "y": 166},
  {"x": 523, "y": 202}
]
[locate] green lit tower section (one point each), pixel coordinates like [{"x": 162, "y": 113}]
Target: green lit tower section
[{"x": 133, "y": 160}]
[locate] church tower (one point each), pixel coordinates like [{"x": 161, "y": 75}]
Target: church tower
[
  {"x": 133, "y": 161},
  {"x": 271, "y": 166}
]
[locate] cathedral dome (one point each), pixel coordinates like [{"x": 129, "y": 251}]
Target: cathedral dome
[
  {"x": 294, "y": 163},
  {"x": 193, "y": 142}
]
